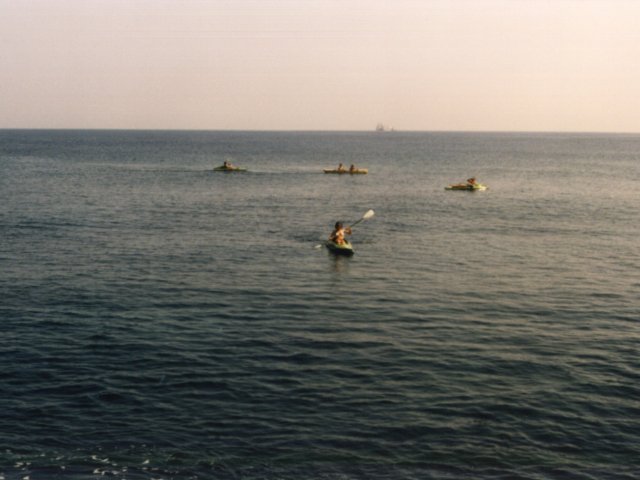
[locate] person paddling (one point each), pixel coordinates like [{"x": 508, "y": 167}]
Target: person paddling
[{"x": 339, "y": 231}]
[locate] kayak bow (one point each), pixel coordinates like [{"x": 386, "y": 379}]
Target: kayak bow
[{"x": 337, "y": 249}]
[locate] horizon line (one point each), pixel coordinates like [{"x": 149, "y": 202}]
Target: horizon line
[{"x": 373, "y": 131}]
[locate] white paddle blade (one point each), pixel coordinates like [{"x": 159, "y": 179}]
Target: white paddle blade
[{"x": 368, "y": 215}]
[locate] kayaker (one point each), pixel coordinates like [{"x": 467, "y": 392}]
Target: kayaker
[
  {"x": 352, "y": 168},
  {"x": 227, "y": 164},
  {"x": 341, "y": 168},
  {"x": 471, "y": 181},
  {"x": 339, "y": 231}
]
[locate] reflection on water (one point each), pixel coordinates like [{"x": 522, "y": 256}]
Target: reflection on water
[
  {"x": 163, "y": 321},
  {"x": 339, "y": 263}
]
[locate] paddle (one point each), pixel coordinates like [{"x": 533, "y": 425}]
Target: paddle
[{"x": 366, "y": 216}]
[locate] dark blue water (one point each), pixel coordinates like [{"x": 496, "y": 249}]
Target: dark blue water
[{"x": 160, "y": 320}]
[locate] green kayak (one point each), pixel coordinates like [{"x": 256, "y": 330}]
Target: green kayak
[{"x": 344, "y": 249}]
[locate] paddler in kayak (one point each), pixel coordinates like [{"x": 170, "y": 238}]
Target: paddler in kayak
[
  {"x": 471, "y": 182},
  {"x": 227, "y": 164},
  {"x": 339, "y": 231}
]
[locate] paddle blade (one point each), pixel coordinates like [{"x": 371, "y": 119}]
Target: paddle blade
[{"x": 368, "y": 215}]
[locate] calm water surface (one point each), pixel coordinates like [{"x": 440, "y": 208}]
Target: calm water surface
[{"x": 160, "y": 320}]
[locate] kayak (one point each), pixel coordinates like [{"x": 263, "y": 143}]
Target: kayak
[
  {"x": 344, "y": 249},
  {"x": 467, "y": 187},
  {"x": 357, "y": 170},
  {"x": 229, "y": 169}
]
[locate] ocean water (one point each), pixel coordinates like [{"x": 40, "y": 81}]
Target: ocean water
[{"x": 163, "y": 321}]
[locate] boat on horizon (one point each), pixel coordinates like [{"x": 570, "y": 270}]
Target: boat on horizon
[{"x": 381, "y": 128}]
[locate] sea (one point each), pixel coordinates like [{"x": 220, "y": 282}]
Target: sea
[{"x": 160, "y": 320}]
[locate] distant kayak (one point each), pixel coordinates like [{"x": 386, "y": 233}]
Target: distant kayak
[
  {"x": 343, "y": 249},
  {"x": 229, "y": 169},
  {"x": 467, "y": 187},
  {"x": 352, "y": 172}
]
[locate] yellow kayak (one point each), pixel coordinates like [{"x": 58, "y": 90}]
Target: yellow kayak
[
  {"x": 352, "y": 172},
  {"x": 467, "y": 187}
]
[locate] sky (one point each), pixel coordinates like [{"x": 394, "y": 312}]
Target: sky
[{"x": 415, "y": 65}]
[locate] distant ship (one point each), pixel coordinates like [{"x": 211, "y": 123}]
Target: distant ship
[{"x": 380, "y": 128}]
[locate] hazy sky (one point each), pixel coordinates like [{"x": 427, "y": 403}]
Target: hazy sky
[{"x": 513, "y": 65}]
